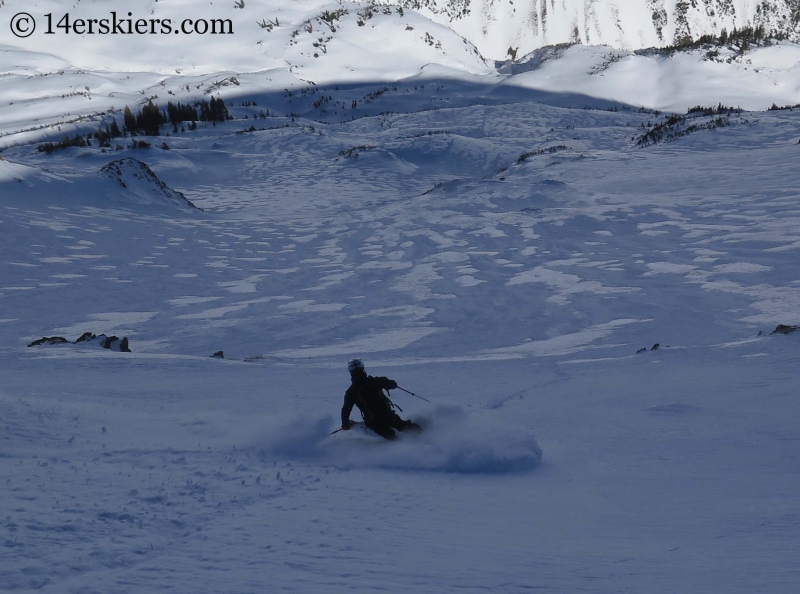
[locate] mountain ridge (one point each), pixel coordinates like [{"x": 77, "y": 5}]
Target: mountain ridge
[
  {"x": 503, "y": 29},
  {"x": 303, "y": 45}
]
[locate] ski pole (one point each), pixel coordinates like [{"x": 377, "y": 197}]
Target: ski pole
[{"x": 412, "y": 393}]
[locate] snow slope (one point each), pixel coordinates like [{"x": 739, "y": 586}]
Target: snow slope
[
  {"x": 86, "y": 76},
  {"x": 500, "y": 29},
  {"x": 502, "y": 251},
  {"x": 51, "y": 89},
  {"x": 494, "y": 27},
  {"x": 496, "y": 241},
  {"x": 757, "y": 80}
]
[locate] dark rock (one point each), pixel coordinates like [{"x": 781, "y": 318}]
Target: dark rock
[
  {"x": 49, "y": 340},
  {"x": 642, "y": 350},
  {"x": 114, "y": 343},
  {"x": 219, "y": 355},
  {"x": 86, "y": 336},
  {"x": 784, "y": 329},
  {"x": 107, "y": 342},
  {"x": 655, "y": 347}
]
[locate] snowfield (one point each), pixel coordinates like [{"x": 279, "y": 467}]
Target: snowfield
[
  {"x": 498, "y": 29},
  {"x": 65, "y": 83},
  {"x": 591, "y": 317},
  {"x": 670, "y": 471}
]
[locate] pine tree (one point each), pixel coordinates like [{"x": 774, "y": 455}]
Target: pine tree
[
  {"x": 103, "y": 136},
  {"x": 129, "y": 121},
  {"x": 149, "y": 120}
]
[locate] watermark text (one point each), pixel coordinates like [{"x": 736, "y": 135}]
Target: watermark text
[{"x": 23, "y": 25}]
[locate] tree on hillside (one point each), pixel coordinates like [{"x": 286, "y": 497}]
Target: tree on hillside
[
  {"x": 149, "y": 120},
  {"x": 129, "y": 121}
]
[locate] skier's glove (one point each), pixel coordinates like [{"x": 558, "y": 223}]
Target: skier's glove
[{"x": 392, "y": 384}]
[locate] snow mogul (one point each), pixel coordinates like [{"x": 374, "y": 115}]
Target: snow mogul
[{"x": 366, "y": 392}]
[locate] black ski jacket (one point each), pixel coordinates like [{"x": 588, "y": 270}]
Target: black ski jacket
[{"x": 366, "y": 392}]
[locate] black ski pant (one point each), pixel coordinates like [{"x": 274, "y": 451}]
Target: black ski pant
[{"x": 385, "y": 426}]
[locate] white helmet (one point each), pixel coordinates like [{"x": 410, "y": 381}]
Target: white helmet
[{"x": 354, "y": 364}]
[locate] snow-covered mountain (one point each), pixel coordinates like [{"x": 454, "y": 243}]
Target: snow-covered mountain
[
  {"x": 504, "y": 27},
  {"x": 282, "y": 44},
  {"x": 277, "y": 32},
  {"x": 312, "y": 38},
  {"x": 50, "y": 89},
  {"x": 501, "y": 251},
  {"x": 50, "y": 80},
  {"x": 600, "y": 304}
]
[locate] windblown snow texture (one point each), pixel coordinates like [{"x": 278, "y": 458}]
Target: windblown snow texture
[{"x": 509, "y": 244}]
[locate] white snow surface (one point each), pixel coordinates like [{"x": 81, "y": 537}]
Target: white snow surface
[
  {"x": 498, "y": 28},
  {"x": 497, "y": 243},
  {"x": 60, "y": 84}
]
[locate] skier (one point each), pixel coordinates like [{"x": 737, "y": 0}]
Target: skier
[{"x": 366, "y": 392}]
